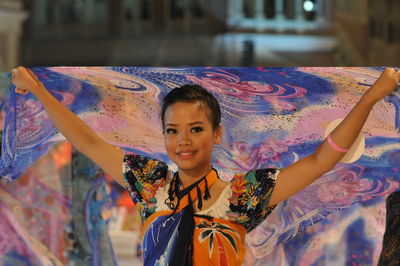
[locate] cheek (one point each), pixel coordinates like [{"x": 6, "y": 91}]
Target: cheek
[
  {"x": 206, "y": 144},
  {"x": 169, "y": 144},
  {"x": 166, "y": 143}
]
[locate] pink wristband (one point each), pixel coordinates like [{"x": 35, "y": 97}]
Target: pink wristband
[{"x": 334, "y": 146}]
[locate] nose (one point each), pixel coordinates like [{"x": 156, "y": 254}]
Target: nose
[{"x": 184, "y": 139}]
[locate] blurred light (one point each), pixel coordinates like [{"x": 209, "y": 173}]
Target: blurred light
[{"x": 308, "y": 5}]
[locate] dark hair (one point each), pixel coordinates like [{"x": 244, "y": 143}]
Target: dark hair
[{"x": 193, "y": 93}]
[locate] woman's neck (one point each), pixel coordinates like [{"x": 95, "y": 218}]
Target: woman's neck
[{"x": 189, "y": 177}]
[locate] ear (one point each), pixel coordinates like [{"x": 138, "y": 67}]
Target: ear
[{"x": 218, "y": 134}]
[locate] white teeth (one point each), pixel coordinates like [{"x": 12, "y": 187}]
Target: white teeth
[{"x": 186, "y": 153}]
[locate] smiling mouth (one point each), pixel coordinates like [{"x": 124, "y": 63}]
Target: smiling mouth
[{"x": 185, "y": 155}]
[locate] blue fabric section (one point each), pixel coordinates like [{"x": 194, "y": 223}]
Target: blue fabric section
[{"x": 159, "y": 239}]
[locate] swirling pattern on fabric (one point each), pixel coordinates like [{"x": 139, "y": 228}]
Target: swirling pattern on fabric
[{"x": 271, "y": 116}]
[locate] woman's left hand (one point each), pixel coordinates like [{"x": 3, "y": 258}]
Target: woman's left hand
[{"x": 384, "y": 85}]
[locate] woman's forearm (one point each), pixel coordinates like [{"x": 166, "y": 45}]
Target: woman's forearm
[
  {"x": 345, "y": 133},
  {"x": 69, "y": 124}
]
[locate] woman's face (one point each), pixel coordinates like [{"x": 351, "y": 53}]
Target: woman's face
[{"x": 189, "y": 137}]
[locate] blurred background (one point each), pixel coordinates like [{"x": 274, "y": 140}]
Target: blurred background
[{"x": 199, "y": 33}]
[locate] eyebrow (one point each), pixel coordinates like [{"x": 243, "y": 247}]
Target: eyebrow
[{"x": 190, "y": 124}]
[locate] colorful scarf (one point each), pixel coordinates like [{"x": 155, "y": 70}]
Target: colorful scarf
[{"x": 271, "y": 116}]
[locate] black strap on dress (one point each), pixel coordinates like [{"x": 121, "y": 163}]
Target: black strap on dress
[{"x": 183, "y": 248}]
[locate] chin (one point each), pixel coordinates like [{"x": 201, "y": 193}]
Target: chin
[
  {"x": 187, "y": 165},
  {"x": 192, "y": 164},
  {"x": 184, "y": 166}
]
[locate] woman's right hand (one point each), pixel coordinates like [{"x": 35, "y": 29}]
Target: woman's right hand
[
  {"x": 25, "y": 81},
  {"x": 71, "y": 126}
]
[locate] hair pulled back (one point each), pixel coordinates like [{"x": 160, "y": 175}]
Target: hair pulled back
[{"x": 193, "y": 93}]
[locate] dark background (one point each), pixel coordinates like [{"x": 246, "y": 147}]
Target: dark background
[{"x": 199, "y": 33}]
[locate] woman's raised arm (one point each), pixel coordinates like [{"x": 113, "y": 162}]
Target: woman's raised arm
[
  {"x": 302, "y": 173},
  {"x": 82, "y": 137}
]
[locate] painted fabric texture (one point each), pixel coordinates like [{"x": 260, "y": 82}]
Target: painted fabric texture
[
  {"x": 271, "y": 117},
  {"x": 218, "y": 234}
]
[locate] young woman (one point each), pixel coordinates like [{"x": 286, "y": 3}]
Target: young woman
[{"x": 192, "y": 216}]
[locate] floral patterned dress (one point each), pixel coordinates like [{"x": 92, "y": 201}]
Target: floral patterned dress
[{"x": 219, "y": 231}]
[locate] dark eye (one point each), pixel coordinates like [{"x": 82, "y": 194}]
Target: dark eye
[
  {"x": 197, "y": 129},
  {"x": 170, "y": 131}
]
